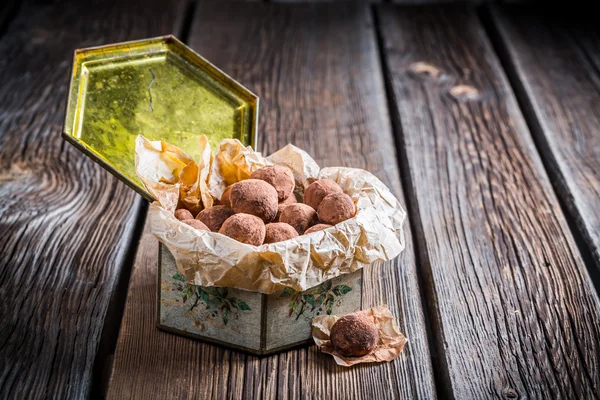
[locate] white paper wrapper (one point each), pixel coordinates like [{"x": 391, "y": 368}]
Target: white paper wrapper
[
  {"x": 212, "y": 259},
  {"x": 391, "y": 340}
]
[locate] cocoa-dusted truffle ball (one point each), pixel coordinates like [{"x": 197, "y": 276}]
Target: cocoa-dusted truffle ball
[
  {"x": 244, "y": 228},
  {"x": 255, "y": 197},
  {"x": 300, "y": 216},
  {"x": 336, "y": 208},
  {"x": 318, "y": 190},
  {"x": 214, "y": 217},
  {"x": 280, "y": 177},
  {"x": 182, "y": 214},
  {"x": 288, "y": 201},
  {"x": 194, "y": 223},
  {"x": 225, "y": 199},
  {"x": 354, "y": 335},
  {"x": 279, "y": 231},
  {"x": 311, "y": 180},
  {"x": 317, "y": 227}
]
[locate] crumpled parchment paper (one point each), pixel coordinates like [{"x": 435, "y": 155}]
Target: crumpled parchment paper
[
  {"x": 391, "y": 340},
  {"x": 212, "y": 259}
]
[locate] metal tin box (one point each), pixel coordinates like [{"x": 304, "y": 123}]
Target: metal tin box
[
  {"x": 249, "y": 321},
  {"x": 163, "y": 90}
]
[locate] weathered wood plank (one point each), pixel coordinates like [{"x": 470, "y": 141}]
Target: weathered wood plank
[
  {"x": 66, "y": 225},
  {"x": 317, "y": 71},
  {"x": 554, "y": 61},
  {"x": 513, "y": 310}
]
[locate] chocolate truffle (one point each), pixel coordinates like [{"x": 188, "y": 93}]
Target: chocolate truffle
[
  {"x": 225, "y": 199},
  {"x": 354, "y": 335},
  {"x": 254, "y": 197},
  {"x": 182, "y": 214},
  {"x": 317, "y": 227},
  {"x": 244, "y": 228},
  {"x": 280, "y": 177},
  {"x": 279, "y": 231},
  {"x": 288, "y": 201},
  {"x": 318, "y": 190},
  {"x": 300, "y": 216},
  {"x": 194, "y": 223},
  {"x": 214, "y": 217},
  {"x": 336, "y": 208}
]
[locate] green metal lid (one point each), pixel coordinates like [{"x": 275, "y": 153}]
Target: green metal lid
[{"x": 159, "y": 88}]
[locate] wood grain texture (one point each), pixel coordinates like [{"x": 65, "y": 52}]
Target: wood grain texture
[
  {"x": 66, "y": 225},
  {"x": 317, "y": 71},
  {"x": 555, "y": 64},
  {"x": 513, "y": 310}
]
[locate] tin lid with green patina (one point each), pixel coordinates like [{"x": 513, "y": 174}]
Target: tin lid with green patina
[{"x": 159, "y": 88}]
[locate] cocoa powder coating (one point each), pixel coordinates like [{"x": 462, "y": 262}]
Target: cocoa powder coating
[
  {"x": 225, "y": 199},
  {"x": 290, "y": 200},
  {"x": 336, "y": 208},
  {"x": 278, "y": 232},
  {"x": 214, "y": 217},
  {"x": 354, "y": 335},
  {"x": 300, "y": 216},
  {"x": 255, "y": 197},
  {"x": 280, "y": 177},
  {"x": 317, "y": 227},
  {"x": 194, "y": 223},
  {"x": 182, "y": 214},
  {"x": 318, "y": 190},
  {"x": 244, "y": 228}
]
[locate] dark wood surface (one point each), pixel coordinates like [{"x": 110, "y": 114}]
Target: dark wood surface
[
  {"x": 513, "y": 311},
  {"x": 7, "y": 9},
  {"x": 554, "y": 60},
  {"x": 67, "y": 227},
  {"x": 319, "y": 76},
  {"x": 493, "y": 276}
]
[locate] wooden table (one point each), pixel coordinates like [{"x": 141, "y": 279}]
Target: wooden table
[{"x": 485, "y": 123}]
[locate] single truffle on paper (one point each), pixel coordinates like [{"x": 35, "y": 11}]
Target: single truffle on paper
[
  {"x": 194, "y": 223},
  {"x": 214, "y": 216},
  {"x": 316, "y": 228},
  {"x": 278, "y": 176},
  {"x": 182, "y": 214},
  {"x": 336, "y": 208},
  {"x": 365, "y": 336},
  {"x": 244, "y": 228},
  {"x": 354, "y": 335},
  {"x": 318, "y": 190},
  {"x": 279, "y": 232},
  {"x": 300, "y": 216},
  {"x": 255, "y": 197}
]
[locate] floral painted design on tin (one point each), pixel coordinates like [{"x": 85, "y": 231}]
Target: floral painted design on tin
[
  {"x": 317, "y": 300},
  {"x": 215, "y": 300}
]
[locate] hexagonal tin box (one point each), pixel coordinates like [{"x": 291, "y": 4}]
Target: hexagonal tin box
[{"x": 163, "y": 90}]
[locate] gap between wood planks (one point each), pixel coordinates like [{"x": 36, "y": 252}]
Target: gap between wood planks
[{"x": 492, "y": 30}]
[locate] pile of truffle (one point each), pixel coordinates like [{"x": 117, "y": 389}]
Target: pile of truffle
[{"x": 264, "y": 208}]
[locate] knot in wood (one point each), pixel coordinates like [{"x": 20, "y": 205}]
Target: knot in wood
[
  {"x": 510, "y": 393},
  {"x": 424, "y": 70},
  {"x": 464, "y": 92}
]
